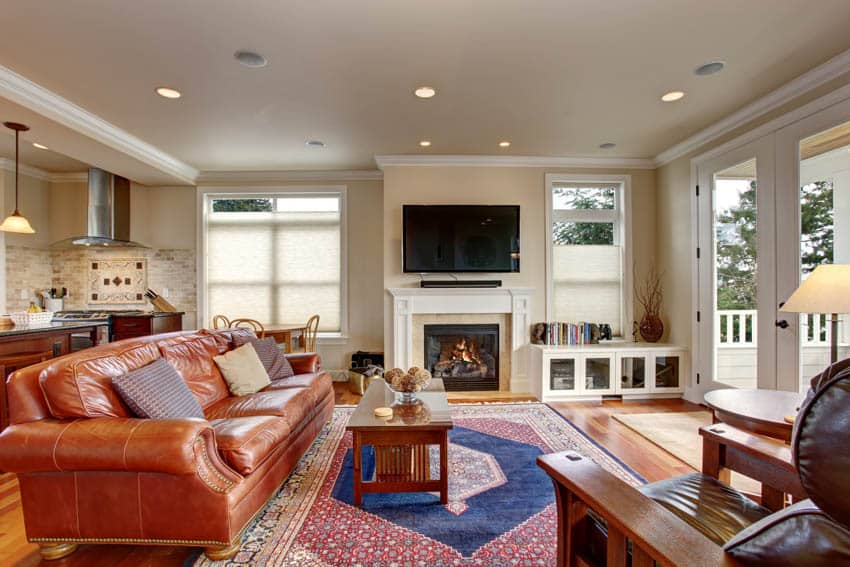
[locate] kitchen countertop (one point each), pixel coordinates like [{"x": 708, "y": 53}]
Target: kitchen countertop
[
  {"x": 151, "y": 314},
  {"x": 32, "y": 329}
]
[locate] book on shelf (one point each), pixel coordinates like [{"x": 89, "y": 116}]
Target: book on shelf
[{"x": 562, "y": 334}]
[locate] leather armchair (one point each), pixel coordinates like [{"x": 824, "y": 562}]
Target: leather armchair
[{"x": 697, "y": 520}]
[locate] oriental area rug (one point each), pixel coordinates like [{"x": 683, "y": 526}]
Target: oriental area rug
[{"x": 501, "y": 507}]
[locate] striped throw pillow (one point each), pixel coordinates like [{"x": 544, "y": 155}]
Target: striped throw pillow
[
  {"x": 157, "y": 391},
  {"x": 270, "y": 355}
]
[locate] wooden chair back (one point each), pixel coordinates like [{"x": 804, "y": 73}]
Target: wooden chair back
[
  {"x": 255, "y": 325},
  {"x": 220, "y": 322},
  {"x": 310, "y": 334}
]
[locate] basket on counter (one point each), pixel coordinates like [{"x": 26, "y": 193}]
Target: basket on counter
[{"x": 25, "y": 318}]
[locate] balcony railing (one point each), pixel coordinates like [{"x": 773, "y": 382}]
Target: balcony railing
[{"x": 739, "y": 328}]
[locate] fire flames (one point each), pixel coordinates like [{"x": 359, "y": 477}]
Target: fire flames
[{"x": 466, "y": 352}]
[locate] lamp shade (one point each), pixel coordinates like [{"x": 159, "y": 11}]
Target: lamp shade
[
  {"x": 16, "y": 222},
  {"x": 826, "y": 290}
]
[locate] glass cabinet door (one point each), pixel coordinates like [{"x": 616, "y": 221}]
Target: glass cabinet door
[
  {"x": 562, "y": 374},
  {"x": 667, "y": 371},
  {"x": 597, "y": 373},
  {"x": 633, "y": 373}
]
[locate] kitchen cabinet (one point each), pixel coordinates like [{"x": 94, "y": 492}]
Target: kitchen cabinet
[
  {"x": 616, "y": 368},
  {"x": 127, "y": 326}
]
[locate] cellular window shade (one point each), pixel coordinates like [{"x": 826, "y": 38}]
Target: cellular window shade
[
  {"x": 586, "y": 284},
  {"x": 275, "y": 267}
]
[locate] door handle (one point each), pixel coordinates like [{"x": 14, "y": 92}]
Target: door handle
[{"x": 782, "y": 324}]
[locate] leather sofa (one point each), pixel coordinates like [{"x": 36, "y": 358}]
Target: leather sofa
[{"x": 89, "y": 472}]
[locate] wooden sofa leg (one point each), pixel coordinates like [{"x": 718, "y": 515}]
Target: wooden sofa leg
[
  {"x": 222, "y": 552},
  {"x": 50, "y": 551}
]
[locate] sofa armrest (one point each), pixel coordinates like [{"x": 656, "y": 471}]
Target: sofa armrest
[
  {"x": 305, "y": 362},
  {"x": 171, "y": 446},
  {"x": 655, "y": 532}
]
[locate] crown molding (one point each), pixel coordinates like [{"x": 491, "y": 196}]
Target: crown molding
[
  {"x": 36, "y": 173},
  {"x": 808, "y": 81},
  {"x": 514, "y": 161},
  {"x": 253, "y": 177},
  {"x": 28, "y": 94}
]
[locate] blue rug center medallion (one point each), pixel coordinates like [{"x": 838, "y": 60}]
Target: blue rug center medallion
[{"x": 494, "y": 486}]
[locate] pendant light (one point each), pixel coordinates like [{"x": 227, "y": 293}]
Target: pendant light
[{"x": 16, "y": 222}]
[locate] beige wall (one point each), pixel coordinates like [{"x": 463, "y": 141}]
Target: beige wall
[
  {"x": 675, "y": 246},
  {"x": 33, "y": 202},
  {"x": 523, "y": 186}
]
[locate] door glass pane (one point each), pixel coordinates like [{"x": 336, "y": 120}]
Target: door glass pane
[
  {"x": 824, "y": 235},
  {"x": 633, "y": 372},
  {"x": 735, "y": 266},
  {"x": 597, "y": 373},
  {"x": 666, "y": 371},
  {"x": 562, "y": 374}
]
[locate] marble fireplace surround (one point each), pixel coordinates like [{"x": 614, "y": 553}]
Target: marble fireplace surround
[{"x": 414, "y": 307}]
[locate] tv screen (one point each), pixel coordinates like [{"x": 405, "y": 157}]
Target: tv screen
[{"x": 460, "y": 238}]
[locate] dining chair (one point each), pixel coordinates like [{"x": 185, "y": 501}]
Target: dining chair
[
  {"x": 220, "y": 322},
  {"x": 255, "y": 325},
  {"x": 311, "y": 331}
]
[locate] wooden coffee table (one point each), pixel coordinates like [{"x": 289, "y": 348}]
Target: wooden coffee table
[{"x": 401, "y": 442}]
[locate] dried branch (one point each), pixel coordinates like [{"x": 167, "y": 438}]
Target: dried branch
[{"x": 649, "y": 292}]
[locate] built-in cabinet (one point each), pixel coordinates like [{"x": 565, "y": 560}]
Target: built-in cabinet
[{"x": 588, "y": 372}]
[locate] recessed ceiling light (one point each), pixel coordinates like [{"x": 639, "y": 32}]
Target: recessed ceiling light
[
  {"x": 251, "y": 59},
  {"x": 608, "y": 146},
  {"x": 168, "y": 92},
  {"x": 710, "y": 68},
  {"x": 672, "y": 95},
  {"x": 39, "y": 146},
  {"x": 425, "y": 92},
  {"x": 425, "y": 143},
  {"x": 504, "y": 144}
]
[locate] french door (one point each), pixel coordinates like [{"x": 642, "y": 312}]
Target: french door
[
  {"x": 737, "y": 260},
  {"x": 770, "y": 211}
]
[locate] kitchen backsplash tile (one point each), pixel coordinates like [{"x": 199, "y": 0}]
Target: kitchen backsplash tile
[{"x": 33, "y": 269}]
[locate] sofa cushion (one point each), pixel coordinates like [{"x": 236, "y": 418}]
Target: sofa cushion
[
  {"x": 292, "y": 404},
  {"x": 192, "y": 356},
  {"x": 713, "y": 508},
  {"x": 245, "y": 442},
  {"x": 317, "y": 384},
  {"x": 80, "y": 385},
  {"x": 273, "y": 359},
  {"x": 156, "y": 391},
  {"x": 242, "y": 370}
]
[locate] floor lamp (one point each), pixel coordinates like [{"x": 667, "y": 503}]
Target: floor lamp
[{"x": 826, "y": 290}]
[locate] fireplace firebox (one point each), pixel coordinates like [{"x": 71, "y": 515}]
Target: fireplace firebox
[{"x": 466, "y": 357}]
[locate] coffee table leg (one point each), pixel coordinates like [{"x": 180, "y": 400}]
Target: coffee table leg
[
  {"x": 358, "y": 473},
  {"x": 444, "y": 468}
]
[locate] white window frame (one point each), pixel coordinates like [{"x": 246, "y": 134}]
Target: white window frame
[
  {"x": 205, "y": 195},
  {"x": 622, "y": 233}
]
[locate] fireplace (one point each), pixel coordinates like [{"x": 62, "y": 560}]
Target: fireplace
[{"x": 466, "y": 357}]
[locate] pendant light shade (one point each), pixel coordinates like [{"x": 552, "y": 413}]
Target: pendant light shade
[{"x": 16, "y": 222}]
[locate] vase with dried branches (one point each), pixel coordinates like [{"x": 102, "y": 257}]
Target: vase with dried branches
[{"x": 650, "y": 293}]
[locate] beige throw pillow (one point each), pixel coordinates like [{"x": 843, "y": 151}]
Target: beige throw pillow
[{"x": 242, "y": 370}]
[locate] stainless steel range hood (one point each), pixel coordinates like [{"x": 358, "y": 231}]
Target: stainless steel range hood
[{"x": 108, "y": 213}]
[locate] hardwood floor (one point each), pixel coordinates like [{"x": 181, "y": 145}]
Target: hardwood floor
[{"x": 594, "y": 418}]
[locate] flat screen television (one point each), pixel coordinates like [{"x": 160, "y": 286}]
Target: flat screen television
[{"x": 460, "y": 238}]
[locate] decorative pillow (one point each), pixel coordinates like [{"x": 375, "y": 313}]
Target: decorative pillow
[
  {"x": 157, "y": 391},
  {"x": 273, "y": 359},
  {"x": 242, "y": 370}
]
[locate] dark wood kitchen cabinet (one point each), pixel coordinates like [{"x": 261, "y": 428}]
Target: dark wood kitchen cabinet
[{"x": 143, "y": 324}]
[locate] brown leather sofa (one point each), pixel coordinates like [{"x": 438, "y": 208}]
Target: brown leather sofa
[
  {"x": 697, "y": 520},
  {"x": 91, "y": 473}
]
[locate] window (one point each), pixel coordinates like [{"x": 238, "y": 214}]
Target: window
[
  {"x": 276, "y": 257},
  {"x": 587, "y": 235}
]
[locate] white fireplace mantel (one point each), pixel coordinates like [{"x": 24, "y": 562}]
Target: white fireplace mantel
[{"x": 515, "y": 301}]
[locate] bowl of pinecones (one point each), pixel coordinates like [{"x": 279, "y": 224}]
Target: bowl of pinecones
[{"x": 407, "y": 383}]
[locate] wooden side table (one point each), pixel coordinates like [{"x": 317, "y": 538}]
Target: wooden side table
[{"x": 759, "y": 411}]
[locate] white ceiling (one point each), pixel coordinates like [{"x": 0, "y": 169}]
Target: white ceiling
[{"x": 556, "y": 77}]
